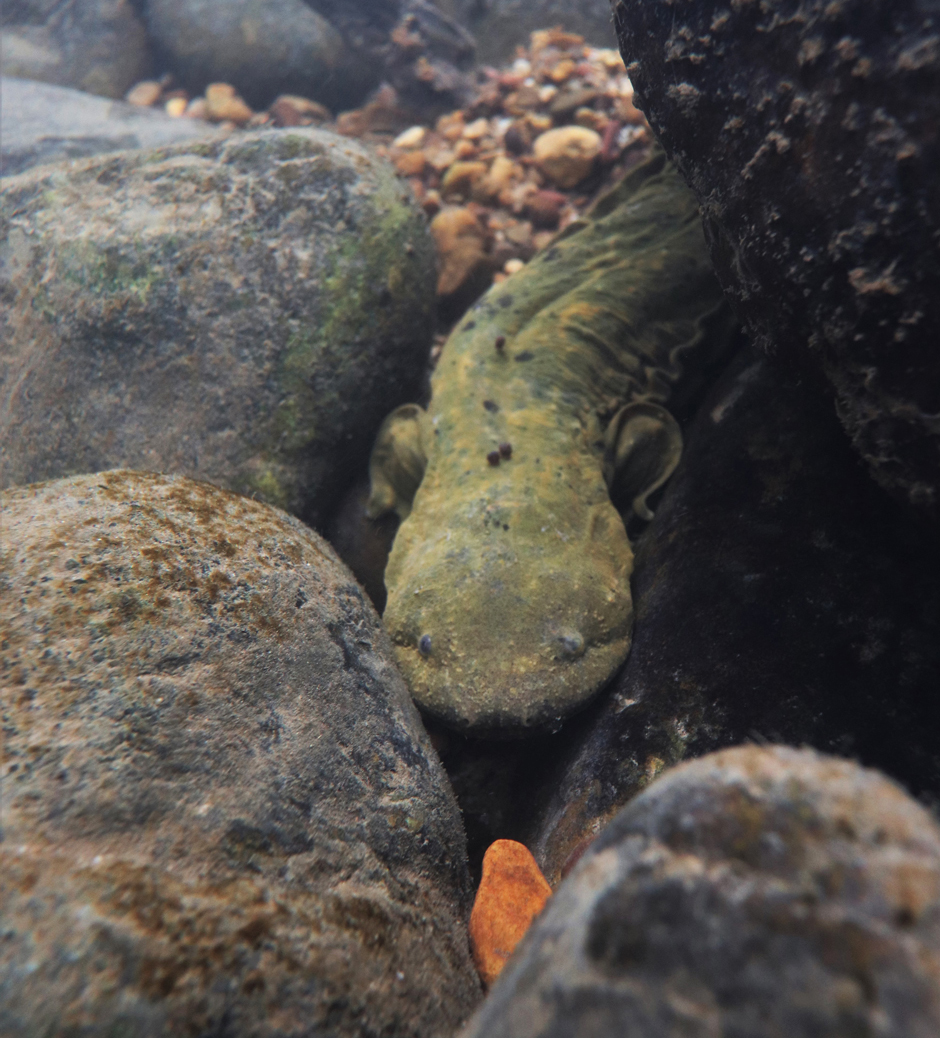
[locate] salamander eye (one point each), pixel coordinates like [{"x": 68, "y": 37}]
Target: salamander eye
[
  {"x": 572, "y": 644},
  {"x": 424, "y": 645}
]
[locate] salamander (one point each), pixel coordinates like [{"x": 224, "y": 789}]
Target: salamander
[{"x": 509, "y": 578}]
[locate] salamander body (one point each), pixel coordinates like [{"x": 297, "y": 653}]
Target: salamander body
[{"x": 509, "y": 579}]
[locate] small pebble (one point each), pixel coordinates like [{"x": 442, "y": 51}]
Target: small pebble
[
  {"x": 412, "y": 138},
  {"x": 176, "y": 107},
  {"x": 145, "y": 93},
  {"x": 511, "y": 894}
]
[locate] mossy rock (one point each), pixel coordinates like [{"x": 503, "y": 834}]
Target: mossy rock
[{"x": 241, "y": 311}]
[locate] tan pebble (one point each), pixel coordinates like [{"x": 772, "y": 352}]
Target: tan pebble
[
  {"x": 431, "y": 203},
  {"x": 441, "y": 158},
  {"x": 144, "y": 94},
  {"x": 498, "y": 278},
  {"x": 500, "y": 176},
  {"x": 542, "y": 239},
  {"x": 523, "y": 100},
  {"x": 477, "y": 129},
  {"x": 224, "y": 105},
  {"x": 461, "y": 245},
  {"x": 293, "y": 110},
  {"x": 513, "y": 266},
  {"x": 592, "y": 119},
  {"x": 546, "y": 93},
  {"x": 555, "y": 37},
  {"x": 196, "y": 109},
  {"x": 610, "y": 59},
  {"x": 175, "y": 107},
  {"x": 567, "y": 155},
  {"x": 461, "y": 177},
  {"x": 465, "y": 149},
  {"x": 544, "y": 208},
  {"x": 450, "y": 126},
  {"x": 413, "y": 137},
  {"x": 540, "y": 123},
  {"x": 411, "y": 163},
  {"x": 562, "y": 71}
]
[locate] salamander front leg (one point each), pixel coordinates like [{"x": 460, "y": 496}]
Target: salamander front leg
[
  {"x": 642, "y": 447},
  {"x": 398, "y": 461}
]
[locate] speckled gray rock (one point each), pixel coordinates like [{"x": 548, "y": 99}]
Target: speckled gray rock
[
  {"x": 809, "y": 133},
  {"x": 500, "y": 25},
  {"x": 221, "y": 813},
  {"x": 99, "y": 46},
  {"x": 44, "y": 123},
  {"x": 754, "y": 892},
  {"x": 262, "y": 47},
  {"x": 243, "y": 311}
]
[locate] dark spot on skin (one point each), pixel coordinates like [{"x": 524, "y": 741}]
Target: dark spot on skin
[
  {"x": 469, "y": 326},
  {"x": 491, "y": 406},
  {"x": 493, "y": 457},
  {"x": 525, "y": 355},
  {"x": 500, "y": 342},
  {"x": 424, "y": 645},
  {"x": 505, "y": 449},
  {"x": 506, "y": 302},
  {"x": 505, "y": 526}
]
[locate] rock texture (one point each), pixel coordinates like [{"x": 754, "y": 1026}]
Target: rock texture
[
  {"x": 780, "y": 595},
  {"x": 242, "y": 311},
  {"x": 757, "y": 892},
  {"x": 262, "y": 47},
  {"x": 44, "y": 123},
  {"x": 221, "y": 813},
  {"x": 809, "y": 132},
  {"x": 99, "y": 46}
]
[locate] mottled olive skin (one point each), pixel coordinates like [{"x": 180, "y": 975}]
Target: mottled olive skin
[{"x": 509, "y": 583}]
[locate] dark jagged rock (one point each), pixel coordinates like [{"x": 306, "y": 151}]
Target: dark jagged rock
[
  {"x": 757, "y": 892},
  {"x": 242, "y": 311},
  {"x": 221, "y": 813},
  {"x": 780, "y": 595},
  {"x": 810, "y": 132},
  {"x": 44, "y": 123},
  {"x": 97, "y": 46}
]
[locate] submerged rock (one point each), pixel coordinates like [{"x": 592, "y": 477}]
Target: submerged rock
[
  {"x": 757, "y": 892},
  {"x": 242, "y": 311},
  {"x": 780, "y": 596},
  {"x": 262, "y": 47},
  {"x": 44, "y": 123},
  {"x": 98, "y": 46},
  {"x": 220, "y": 809},
  {"x": 809, "y": 133}
]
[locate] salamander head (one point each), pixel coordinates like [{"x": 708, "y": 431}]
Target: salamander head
[{"x": 508, "y": 622}]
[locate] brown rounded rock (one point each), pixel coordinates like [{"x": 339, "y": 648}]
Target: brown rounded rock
[
  {"x": 755, "y": 891},
  {"x": 567, "y": 154},
  {"x": 220, "y": 809}
]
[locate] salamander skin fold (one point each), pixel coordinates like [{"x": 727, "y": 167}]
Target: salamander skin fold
[{"x": 509, "y": 580}]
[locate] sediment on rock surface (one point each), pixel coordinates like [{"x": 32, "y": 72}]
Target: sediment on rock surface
[{"x": 221, "y": 811}]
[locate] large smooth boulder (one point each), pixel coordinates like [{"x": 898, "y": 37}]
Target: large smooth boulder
[
  {"x": 780, "y": 596},
  {"x": 221, "y": 812},
  {"x": 98, "y": 46},
  {"x": 810, "y": 133},
  {"x": 243, "y": 311},
  {"x": 262, "y": 47},
  {"x": 757, "y": 892},
  {"x": 44, "y": 123}
]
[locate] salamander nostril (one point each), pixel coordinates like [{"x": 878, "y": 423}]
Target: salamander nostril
[{"x": 572, "y": 644}]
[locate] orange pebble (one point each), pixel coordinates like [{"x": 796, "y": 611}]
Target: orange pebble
[{"x": 512, "y": 892}]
